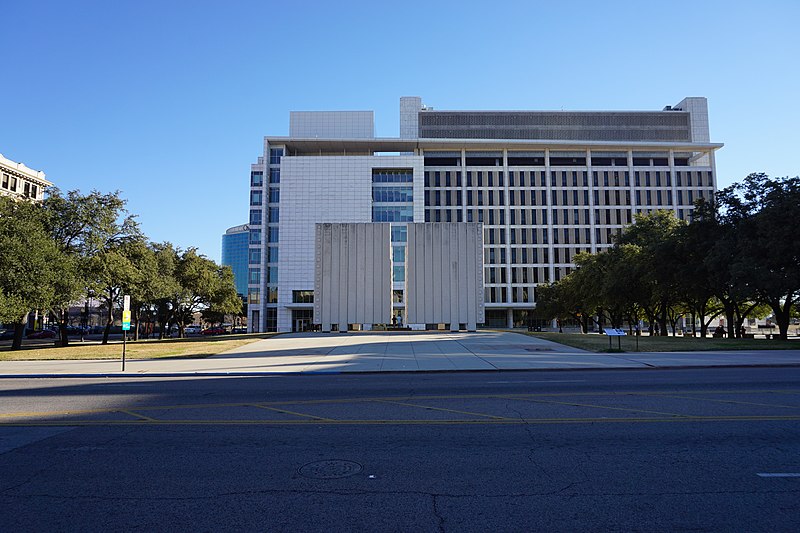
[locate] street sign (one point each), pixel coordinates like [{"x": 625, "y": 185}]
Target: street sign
[
  {"x": 126, "y": 321},
  {"x": 126, "y": 302}
]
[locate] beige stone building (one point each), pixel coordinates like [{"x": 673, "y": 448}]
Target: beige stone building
[{"x": 20, "y": 181}]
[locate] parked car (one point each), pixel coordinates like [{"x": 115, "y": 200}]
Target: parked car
[
  {"x": 192, "y": 330},
  {"x": 43, "y": 334},
  {"x": 6, "y": 334},
  {"x": 213, "y": 331}
]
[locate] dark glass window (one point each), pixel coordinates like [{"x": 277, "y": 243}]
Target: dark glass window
[{"x": 303, "y": 297}]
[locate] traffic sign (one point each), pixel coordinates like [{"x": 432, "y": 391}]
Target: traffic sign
[{"x": 126, "y": 321}]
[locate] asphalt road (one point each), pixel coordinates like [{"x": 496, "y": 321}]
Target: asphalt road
[{"x": 635, "y": 450}]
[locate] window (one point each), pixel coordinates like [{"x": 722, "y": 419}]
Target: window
[
  {"x": 393, "y": 176},
  {"x": 272, "y": 295},
  {"x": 5, "y": 181},
  {"x": 256, "y": 197},
  {"x": 274, "y": 175},
  {"x": 398, "y": 254},
  {"x": 394, "y": 194},
  {"x": 274, "y": 215},
  {"x": 398, "y": 273},
  {"x": 272, "y": 254},
  {"x": 254, "y": 256},
  {"x": 256, "y": 217},
  {"x": 392, "y": 214},
  {"x": 275, "y": 155},
  {"x": 272, "y": 275},
  {"x": 254, "y": 296},
  {"x": 399, "y": 234},
  {"x": 274, "y": 196},
  {"x": 255, "y": 236},
  {"x": 303, "y": 297},
  {"x": 254, "y": 276},
  {"x": 256, "y": 179},
  {"x": 273, "y": 235}
]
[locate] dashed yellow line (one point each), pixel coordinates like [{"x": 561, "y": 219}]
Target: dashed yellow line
[
  {"x": 717, "y": 400},
  {"x": 279, "y": 406},
  {"x": 428, "y": 407},
  {"x": 331, "y": 422},
  {"x": 575, "y": 404},
  {"x": 287, "y": 412},
  {"x": 137, "y": 415}
]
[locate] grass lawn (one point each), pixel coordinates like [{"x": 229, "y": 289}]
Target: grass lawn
[
  {"x": 144, "y": 349},
  {"x": 599, "y": 343}
]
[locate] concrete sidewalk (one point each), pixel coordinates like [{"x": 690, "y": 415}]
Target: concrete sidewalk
[{"x": 397, "y": 352}]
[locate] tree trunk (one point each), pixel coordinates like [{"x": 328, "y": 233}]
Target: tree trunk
[
  {"x": 135, "y": 324},
  {"x": 63, "y": 322},
  {"x": 19, "y": 332},
  {"x": 782, "y": 315},
  {"x": 110, "y": 321}
]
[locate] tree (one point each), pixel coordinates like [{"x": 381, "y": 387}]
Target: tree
[
  {"x": 656, "y": 236},
  {"x": 200, "y": 284},
  {"x": 81, "y": 226},
  {"x": 766, "y": 259},
  {"x": 28, "y": 263},
  {"x": 114, "y": 244}
]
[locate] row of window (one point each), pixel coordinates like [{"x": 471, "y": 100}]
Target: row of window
[
  {"x": 404, "y": 213},
  {"x": 564, "y": 178},
  {"x": 392, "y": 176},
  {"x": 392, "y": 194},
  {"x": 555, "y": 160},
  {"x": 519, "y": 274},
  {"x": 10, "y": 183}
]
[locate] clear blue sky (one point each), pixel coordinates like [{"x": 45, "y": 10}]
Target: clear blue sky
[{"x": 168, "y": 101}]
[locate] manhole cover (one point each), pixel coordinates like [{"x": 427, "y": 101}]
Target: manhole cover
[{"x": 331, "y": 469}]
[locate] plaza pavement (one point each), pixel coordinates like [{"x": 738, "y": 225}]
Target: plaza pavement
[{"x": 397, "y": 352}]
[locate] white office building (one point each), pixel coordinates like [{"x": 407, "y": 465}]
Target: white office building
[{"x": 543, "y": 185}]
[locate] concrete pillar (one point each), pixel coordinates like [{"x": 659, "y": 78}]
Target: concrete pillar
[
  {"x": 510, "y": 318},
  {"x": 472, "y": 326}
]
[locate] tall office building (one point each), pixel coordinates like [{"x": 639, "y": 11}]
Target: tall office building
[
  {"x": 545, "y": 185},
  {"x": 235, "y": 244}
]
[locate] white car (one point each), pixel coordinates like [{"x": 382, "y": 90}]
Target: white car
[{"x": 192, "y": 330}]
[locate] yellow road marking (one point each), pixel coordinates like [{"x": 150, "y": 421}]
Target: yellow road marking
[
  {"x": 573, "y": 404},
  {"x": 428, "y": 407},
  {"x": 284, "y": 411},
  {"x": 506, "y": 421},
  {"x": 141, "y": 417},
  {"x": 717, "y": 400},
  {"x": 390, "y": 399}
]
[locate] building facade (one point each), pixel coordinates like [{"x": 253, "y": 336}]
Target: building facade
[
  {"x": 545, "y": 185},
  {"x": 20, "y": 181},
  {"x": 235, "y": 245}
]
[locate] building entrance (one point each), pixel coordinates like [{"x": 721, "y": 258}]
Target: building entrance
[{"x": 302, "y": 320}]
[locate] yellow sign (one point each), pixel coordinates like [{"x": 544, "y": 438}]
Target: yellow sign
[{"x": 126, "y": 320}]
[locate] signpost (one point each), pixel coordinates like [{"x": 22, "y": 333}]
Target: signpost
[
  {"x": 126, "y": 324},
  {"x": 613, "y": 332}
]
